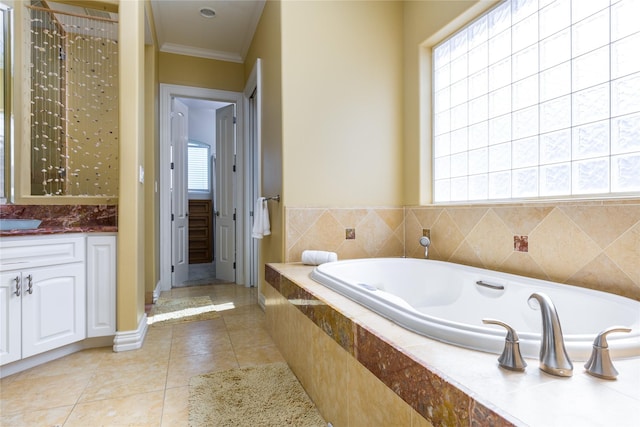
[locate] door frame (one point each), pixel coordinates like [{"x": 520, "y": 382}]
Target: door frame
[
  {"x": 253, "y": 176},
  {"x": 168, "y": 91}
]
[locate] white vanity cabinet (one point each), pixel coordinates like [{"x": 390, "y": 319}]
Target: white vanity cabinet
[
  {"x": 101, "y": 285},
  {"x": 42, "y": 295}
]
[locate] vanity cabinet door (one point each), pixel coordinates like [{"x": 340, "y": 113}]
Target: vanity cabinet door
[
  {"x": 10, "y": 330},
  {"x": 101, "y": 286},
  {"x": 53, "y": 307}
]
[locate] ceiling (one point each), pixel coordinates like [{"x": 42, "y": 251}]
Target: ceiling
[{"x": 181, "y": 29}]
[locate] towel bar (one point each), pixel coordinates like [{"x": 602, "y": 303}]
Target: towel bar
[{"x": 276, "y": 198}]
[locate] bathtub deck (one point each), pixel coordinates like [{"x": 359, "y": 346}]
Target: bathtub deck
[{"x": 530, "y": 398}]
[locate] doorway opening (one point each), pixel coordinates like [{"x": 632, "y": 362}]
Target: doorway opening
[
  {"x": 227, "y": 183},
  {"x": 202, "y": 186}
]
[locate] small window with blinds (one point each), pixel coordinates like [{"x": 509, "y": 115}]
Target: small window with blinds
[{"x": 198, "y": 167}]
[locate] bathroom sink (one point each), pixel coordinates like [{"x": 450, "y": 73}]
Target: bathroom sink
[{"x": 19, "y": 224}]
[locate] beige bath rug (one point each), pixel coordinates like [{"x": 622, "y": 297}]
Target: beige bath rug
[
  {"x": 175, "y": 310},
  {"x": 258, "y": 396}
]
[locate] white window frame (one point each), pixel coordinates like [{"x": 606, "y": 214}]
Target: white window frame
[
  {"x": 207, "y": 147},
  {"x": 436, "y": 148}
]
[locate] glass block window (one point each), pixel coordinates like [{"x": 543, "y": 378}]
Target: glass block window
[
  {"x": 539, "y": 98},
  {"x": 198, "y": 174}
]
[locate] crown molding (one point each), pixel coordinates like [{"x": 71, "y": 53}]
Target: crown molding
[{"x": 202, "y": 53}]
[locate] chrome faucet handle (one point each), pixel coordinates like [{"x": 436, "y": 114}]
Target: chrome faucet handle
[
  {"x": 511, "y": 358},
  {"x": 600, "y": 364}
]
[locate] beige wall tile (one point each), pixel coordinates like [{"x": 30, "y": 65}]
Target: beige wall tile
[
  {"x": 490, "y": 239},
  {"x": 594, "y": 244},
  {"x": 604, "y": 224},
  {"x": 560, "y": 247},
  {"x": 445, "y": 236}
]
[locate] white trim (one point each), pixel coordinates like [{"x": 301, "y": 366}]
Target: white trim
[
  {"x": 179, "y": 49},
  {"x": 156, "y": 292},
  {"x": 254, "y": 83},
  {"x": 168, "y": 91},
  {"x": 131, "y": 340}
]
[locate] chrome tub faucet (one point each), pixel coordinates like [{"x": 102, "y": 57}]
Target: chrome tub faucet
[
  {"x": 554, "y": 359},
  {"x": 425, "y": 241}
]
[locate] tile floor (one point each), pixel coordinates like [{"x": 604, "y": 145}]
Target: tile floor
[
  {"x": 145, "y": 387},
  {"x": 201, "y": 274}
]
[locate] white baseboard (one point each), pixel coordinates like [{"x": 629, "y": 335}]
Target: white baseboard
[
  {"x": 156, "y": 291},
  {"x": 131, "y": 340},
  {"x": 261, "y": 300}
]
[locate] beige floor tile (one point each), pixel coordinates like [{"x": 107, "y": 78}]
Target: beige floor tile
[
  {"x": 248, "y": 317},
  {"x": 81, "y": 363},
  {"x": 251, "y": 356},
  {"x": 182, "y": 368},
  {"x": 148, "y": 386},
  {"x": 119, "y": 380},
  {"x": 175, "y": 411},
  {"x": 200, "y": 344},
  {"x": 44, "y": 392},
  {"x": 194, "y": 328},
  {"x": 257, "y": 337},
  {"x": 135, "y": 410},
  {"x": 45, "y": 417}
]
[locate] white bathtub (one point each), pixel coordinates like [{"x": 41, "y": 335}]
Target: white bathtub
[{"x": 441, "y": 300}]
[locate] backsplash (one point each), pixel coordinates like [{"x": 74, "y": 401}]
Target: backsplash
[
  {"x": 64, "y": 216},
  {"x": 351, "y": 233},
  {"x": 589, "y": 244}
]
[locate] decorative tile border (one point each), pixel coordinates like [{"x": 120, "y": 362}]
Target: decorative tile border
[{"x": 437, "y": 400}]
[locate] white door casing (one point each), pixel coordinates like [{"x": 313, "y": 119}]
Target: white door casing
[
  {"x": 225, "y": 224},
  {"x": 179, "y": 193},
  {"x": 167, "y": 93},
  {"x": 252, "y": 163}
]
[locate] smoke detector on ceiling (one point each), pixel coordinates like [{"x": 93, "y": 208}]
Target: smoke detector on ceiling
[{"x": 207, "y": 12}]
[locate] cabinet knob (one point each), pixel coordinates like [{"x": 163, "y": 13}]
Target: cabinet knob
[{"x": 17, "y": 291}]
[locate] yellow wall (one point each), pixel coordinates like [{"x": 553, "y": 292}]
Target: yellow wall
[
  {"x": 200, "y": 72},
  {"x": 342, "y": 103},
  {"x": 267, "y": 46},
  {"x": 131, "y": 224}
]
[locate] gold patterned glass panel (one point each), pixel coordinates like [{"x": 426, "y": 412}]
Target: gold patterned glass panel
[{"x": 74, "y": 103}]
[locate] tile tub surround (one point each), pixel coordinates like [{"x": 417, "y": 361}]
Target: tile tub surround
[
  {"x": 63, "y": 218},
  {"x": 592, "y": 244},
  {"x": 448, "y": 385}
]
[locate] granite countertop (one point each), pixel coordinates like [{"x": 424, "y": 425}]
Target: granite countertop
[
  {"x": 62, "y": 219},
  {"x": 40, "y": 231}
]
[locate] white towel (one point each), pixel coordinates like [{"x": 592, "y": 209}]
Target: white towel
[
  {"x": 318, "y": 257},
  {"x": 261, "y": 224}
]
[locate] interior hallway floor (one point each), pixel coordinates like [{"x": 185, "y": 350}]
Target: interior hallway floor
[
  {"x": 148, "y": 386},
  {"x": 201, "y": 274}
]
